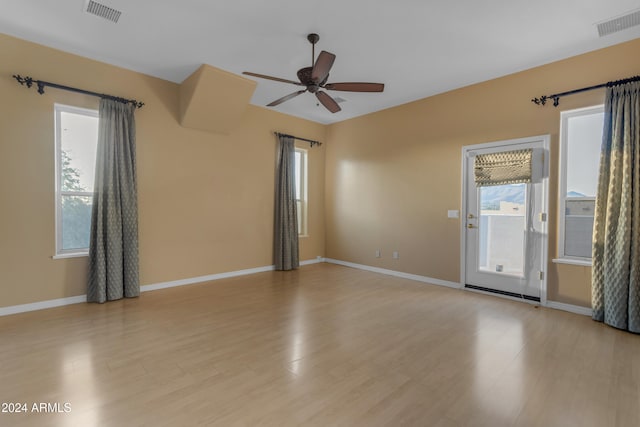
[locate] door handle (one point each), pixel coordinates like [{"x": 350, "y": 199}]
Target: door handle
[
  {"x": 470, "y": 216},
  {"x": 471, "y": 226}
]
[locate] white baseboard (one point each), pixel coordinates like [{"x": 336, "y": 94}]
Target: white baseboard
[
  {"x": 208, "y": 278},
  {"x": 395, "y": 273},
  {"x": 585, "y": 311},
  {"x": 41, "y": 305},
  {"x": 212, "y": 277},
  {"x": 318, "y": 260}
]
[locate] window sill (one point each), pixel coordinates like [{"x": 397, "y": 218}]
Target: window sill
[
  {"x": 71, "y": 255},
  {"x": 584, "y": 263}
]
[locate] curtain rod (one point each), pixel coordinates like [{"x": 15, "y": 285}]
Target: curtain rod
[
  {"x": 28, "y": 81},
  {"x": 310, "y": 141},
  {"x": 556, "y": 97}
]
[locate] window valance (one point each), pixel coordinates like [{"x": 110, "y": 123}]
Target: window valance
[{"x": 507, "y": 167}]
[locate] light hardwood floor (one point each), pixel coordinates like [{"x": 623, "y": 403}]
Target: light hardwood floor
[{"x": 323, "y": 346}]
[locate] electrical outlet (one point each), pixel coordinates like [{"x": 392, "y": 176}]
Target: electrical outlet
[
  {"x": 396, "y": 255},
  {"x": 378, "y": 253}
]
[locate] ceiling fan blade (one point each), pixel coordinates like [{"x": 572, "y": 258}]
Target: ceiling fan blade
[
  {"x": 278, "y": 79},
  {"x": 286, "y": 98},
  {"x": 356, "y": 87},
  {"x": 322, "y": 67},
  {"x": 329, "y": 103}
]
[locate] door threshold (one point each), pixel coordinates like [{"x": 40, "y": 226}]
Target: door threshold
[{"x": 506, "y": 293}]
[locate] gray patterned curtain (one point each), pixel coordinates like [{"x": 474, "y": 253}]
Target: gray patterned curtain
[
  {"x": 113, "y": 248},
  {"x": 286, "y": 217},
  {"x": 615, "y": 286}
]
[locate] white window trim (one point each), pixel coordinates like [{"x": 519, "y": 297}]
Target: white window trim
[
  {"x": 562, "y": 183},
  {"x": 58, "y": 109},
  {"x": 304, "y": 230},
  {"x": 573, "y": 261},
  {"x": 71, "y": 255}
]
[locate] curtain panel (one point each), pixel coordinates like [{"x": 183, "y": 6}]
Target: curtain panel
[
  {"x": 615, "y": 286},
  {"x": 507, "y": 167},
  {"x": 286, "y": 216},
  {"x": 113, "y": 248}
]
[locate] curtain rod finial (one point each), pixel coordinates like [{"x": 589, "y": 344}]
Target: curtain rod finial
[
  {"x": 540, "y": 101},
  {"x": 28, "y": 81}
]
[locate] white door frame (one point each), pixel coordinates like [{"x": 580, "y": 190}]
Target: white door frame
[{"x": 544, "y": 139}]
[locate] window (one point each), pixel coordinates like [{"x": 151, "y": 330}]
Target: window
[
  {"x": 76, "y": 143},
  {"x": 580, "y": 141},
  {"x": 301, "y": 189}
]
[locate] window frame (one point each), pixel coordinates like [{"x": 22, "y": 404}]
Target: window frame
[
  {"x": 61, "y": 253},
  {"x": 563, "y": 258},
  {"x": 302, "y": 203}
]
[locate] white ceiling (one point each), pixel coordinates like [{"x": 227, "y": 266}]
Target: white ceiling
[{"x": 418, "y": 48}]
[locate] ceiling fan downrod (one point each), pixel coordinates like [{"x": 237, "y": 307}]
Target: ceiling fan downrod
[{"x": 313, "y": 39}]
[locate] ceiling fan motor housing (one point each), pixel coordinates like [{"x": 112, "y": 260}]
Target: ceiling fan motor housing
[{"x": 304, "y": 75}]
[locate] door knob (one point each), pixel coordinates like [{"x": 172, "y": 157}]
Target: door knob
[
  {"x": 471, "y": 226},
  {"x": 470, "y": 216}
]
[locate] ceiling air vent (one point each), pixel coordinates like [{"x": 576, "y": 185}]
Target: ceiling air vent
[
  {"x": 620, "y": 23},
  {"x": 102, "y": 11}
]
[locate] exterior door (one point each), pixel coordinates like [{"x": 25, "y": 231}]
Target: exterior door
[{"x": 505, "y": 233}]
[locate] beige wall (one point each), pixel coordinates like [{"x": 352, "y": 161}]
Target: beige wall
[
  {"x": 391, "y": 176},
  {"x": 205, "y": 199}
]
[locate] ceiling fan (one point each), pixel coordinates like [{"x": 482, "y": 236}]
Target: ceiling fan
[{"x": 315, "y": 78}]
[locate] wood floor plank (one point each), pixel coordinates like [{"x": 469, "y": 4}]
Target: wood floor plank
[{"x": 322, "y": 346}]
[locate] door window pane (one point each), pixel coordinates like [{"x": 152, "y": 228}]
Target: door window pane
[{"x": 502, "y": 228}]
